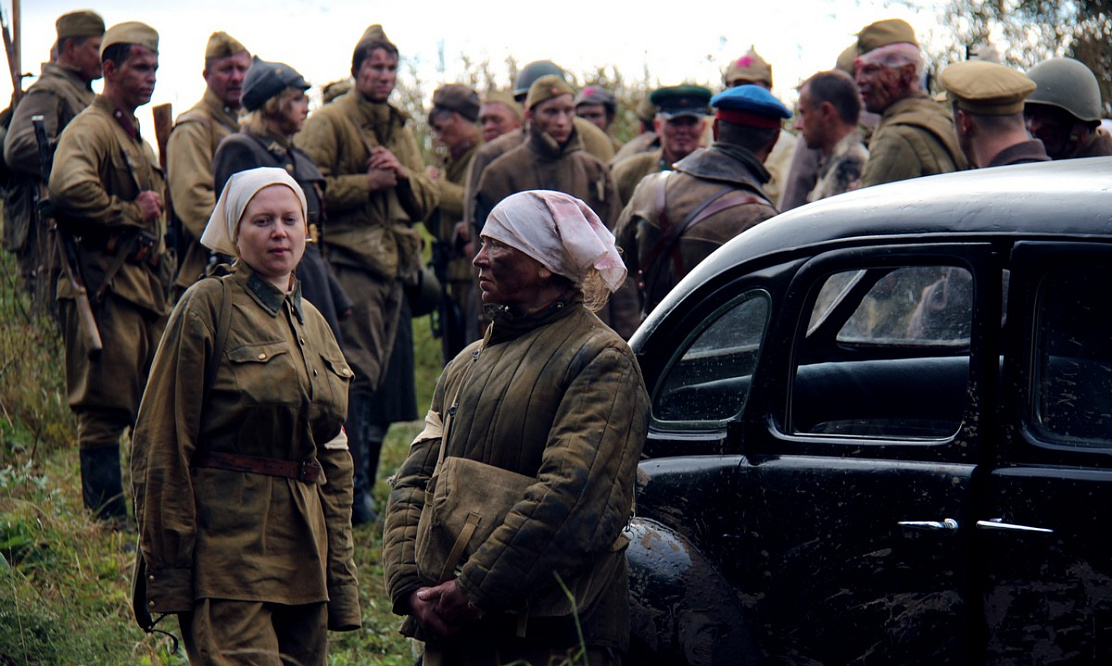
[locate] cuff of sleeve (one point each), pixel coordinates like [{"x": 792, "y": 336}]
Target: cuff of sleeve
[
  {"x": 402, "y": 593},
  {"x": 170, "y": 590},
  {"x": 343, "y": 608}
]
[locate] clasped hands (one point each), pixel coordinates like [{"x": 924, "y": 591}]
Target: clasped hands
[{"x": 443, "y": 610}]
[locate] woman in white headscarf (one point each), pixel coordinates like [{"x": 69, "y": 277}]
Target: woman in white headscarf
[
  {"x": 551, "y": 410},
  {"x": 241, "y": 473}
]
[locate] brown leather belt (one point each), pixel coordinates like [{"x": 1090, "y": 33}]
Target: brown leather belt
[{"x": 306, "y": 471}]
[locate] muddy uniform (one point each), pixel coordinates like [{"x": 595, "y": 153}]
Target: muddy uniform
[
  {"x": 100, "y": 167},
  {"x": 550, "y": 392},
  {"x": 279, "y": 393},
  {"x": 915, "y": 138},
  {"x": 58, "y": 96},
  {"x": 193, "y": 143}
]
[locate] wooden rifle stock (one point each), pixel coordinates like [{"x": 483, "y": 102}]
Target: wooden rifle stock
[{"x": 70, "y": 265}]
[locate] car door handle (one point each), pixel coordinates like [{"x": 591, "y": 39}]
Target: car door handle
[
  {"x": 930, "y": 525},
  {"x": 999, "y": 524}
]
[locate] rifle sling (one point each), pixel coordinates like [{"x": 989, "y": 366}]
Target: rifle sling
[{"x": 727, "y": 197}]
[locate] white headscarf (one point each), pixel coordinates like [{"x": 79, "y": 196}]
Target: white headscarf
[
  {"x": 220, "y": 232},
  {"x": 559, "y": 231}
]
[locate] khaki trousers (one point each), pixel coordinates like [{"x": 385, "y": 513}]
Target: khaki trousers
[{"x": 220, "y": 632}]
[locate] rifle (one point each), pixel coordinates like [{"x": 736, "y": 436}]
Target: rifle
[
  {"x": 14, "y": 64},
  {"x": 70, "y": 265},
  {"x": 163, "y": 123},
  {"x": 447, "y": 324}
]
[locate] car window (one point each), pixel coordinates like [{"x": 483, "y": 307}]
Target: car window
[
  {"x": 897, "y": 365},
  {"x": 1073, "y": 357},
  {"x": 708, "y": 378},
  {"x": 911, "y": 304}
]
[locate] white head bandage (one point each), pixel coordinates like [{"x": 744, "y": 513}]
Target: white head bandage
[
  {"x": 559, "y": 231},
  {"x": 220, "y": 232}
]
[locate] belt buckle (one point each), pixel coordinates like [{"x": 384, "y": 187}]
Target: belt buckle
[{"x": 305, "y": 468}]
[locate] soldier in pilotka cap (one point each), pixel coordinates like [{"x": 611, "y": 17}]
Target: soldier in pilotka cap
[
  {"x": 376, "y": 190},
  {"x": 915, "y": 136},
  {"x": 63, "y": 89},
  {"x": 193, "y": 142},
  {"x": 752, "y": 69},
  {"x": 987, "y": 100},
  {"x": 108, "y": 191},
  {"x": 677, "y": 218}
]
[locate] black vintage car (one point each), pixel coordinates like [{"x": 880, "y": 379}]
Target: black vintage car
[{"x": 882, "y": 432}]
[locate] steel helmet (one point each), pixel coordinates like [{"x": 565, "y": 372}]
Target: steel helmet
[
  {"x": 1067, "y": 84},
  {"x": 531, "y": 73}
]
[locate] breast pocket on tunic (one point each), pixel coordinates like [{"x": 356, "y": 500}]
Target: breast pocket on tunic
[
  {"x": 265, "y": 373},
  {"x": 337, "y": 376}
]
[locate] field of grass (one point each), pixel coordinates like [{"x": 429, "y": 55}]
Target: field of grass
[{"x": 64, "y": 578}]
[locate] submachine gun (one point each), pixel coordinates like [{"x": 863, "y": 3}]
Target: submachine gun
[{"x": 70, "y": 264}]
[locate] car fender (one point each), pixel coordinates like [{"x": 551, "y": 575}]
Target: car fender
[{"x": 682, "y": 610}]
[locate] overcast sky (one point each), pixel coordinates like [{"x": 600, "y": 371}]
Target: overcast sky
[{"x": 675, "y": 42}]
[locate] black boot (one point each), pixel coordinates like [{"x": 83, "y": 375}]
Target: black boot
[
  {"x": 363, "y": 506},
  {"x": 102, "y": 483}
]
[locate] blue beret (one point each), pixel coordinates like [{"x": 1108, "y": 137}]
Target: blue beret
[{"x": 750, "y": 99}]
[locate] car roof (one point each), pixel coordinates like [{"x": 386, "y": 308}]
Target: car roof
[{"x": 1064, "y": 199}]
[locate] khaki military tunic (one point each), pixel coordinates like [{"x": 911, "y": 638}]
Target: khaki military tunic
[
  {"x": 628, "y": 172},
  {"x": 642, "y": 143},
  {"x": 594, "y": 142},
  {"x": 58, "y": 96},
  {"x": 280, "y": 392},
  {"x": 189, "y": 154},
  {"x": 370, "y": 243},
  {"x": 915, "y": 138},
  {"x": 779, "y": 164},
  {"x": 99, "y": 170},
  {"x": 451, "y": 186},
  {"x": 696, "y": 178},
  {"x": 555, "y": 395}
]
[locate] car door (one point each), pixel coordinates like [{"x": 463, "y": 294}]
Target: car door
[
  {"x": 861, "y": 438},
  {"x": 1048, "y": 515}
]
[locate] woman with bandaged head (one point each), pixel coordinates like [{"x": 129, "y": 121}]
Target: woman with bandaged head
[{"x": 522, "y": 480}]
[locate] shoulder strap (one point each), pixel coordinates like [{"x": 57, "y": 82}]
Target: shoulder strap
[{"x": 223, "y": 323}]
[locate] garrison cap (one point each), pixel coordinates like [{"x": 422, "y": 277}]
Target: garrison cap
[
  {"x": 749, "y": 68},
  {"x": 267, "y": 79},
  {"x": 846, "y": 60},
  {"x": 597, "y": 95},
  {"x": 545, "y": 88},
  {"x": 457, "y": 98},
  {"x": 988, "y": 88},
  {"x": 682, "y": 100},
  {"x": 645, "y": 110},
  {"x": 883, "y": 33},
  {"x": 375, "y": 35},
  {"x": 504, "y": 98},
  {"x": 130, "y": 32},
  {"x": 750, "y": 105},
  {"x": 84, "y": 23},
  {"x": 222, "y": 45}
]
